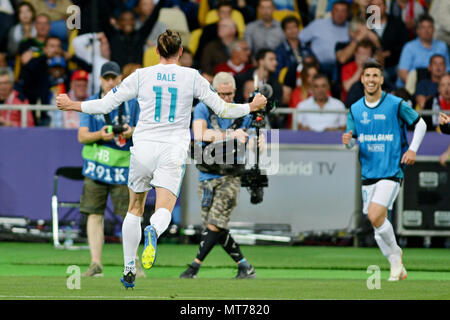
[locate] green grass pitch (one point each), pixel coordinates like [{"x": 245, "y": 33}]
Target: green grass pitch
[{"x": 38, "y": 271}]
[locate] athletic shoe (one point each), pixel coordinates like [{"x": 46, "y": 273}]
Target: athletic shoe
[
  {"x": 128, "y": 280},
  {"x": 149, "y": 253},
  {"x": 94, "y": 270},
  {"x": 190, "y": 273},
  {"x": 246, "y": 273},
  {"x": 398, "y": 271}
]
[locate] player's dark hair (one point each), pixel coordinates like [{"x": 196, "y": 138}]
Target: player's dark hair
[
  {"x": 169, "y": 43},
  {"x": 372, "y": 63}
]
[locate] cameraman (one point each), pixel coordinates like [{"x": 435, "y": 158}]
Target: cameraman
[
  {"x": 106, "y": 154},
  {"x": 219, "y": 193}
]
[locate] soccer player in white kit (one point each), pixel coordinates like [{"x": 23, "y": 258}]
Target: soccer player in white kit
[{"x": 165, "y": 93}]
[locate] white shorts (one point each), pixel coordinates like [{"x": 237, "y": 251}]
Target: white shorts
[
  {"x": 384, "y": 193},
  {"x": 155, "y": 164}
]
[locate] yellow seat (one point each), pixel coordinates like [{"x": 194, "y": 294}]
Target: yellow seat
[
  {"x": 194, "y": 40},
  {"x": 279, "y": 15},
  {"x": 282, "y": 75},
  {"x": 71, "y": 50},
  {"x": 151, "y": 58},
  {"x": 203, "y": 9},
  {"x": 175, "y": 20},
  {"x": 236, "y": 16}
]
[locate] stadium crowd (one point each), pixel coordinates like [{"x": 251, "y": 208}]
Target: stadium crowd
[{"x": 310, "y": 51}]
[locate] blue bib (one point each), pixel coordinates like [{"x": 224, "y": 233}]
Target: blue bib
[{"x": 382, "y": 137}]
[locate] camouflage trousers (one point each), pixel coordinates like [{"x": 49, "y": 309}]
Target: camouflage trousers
[{"x": 225, "y": 191}]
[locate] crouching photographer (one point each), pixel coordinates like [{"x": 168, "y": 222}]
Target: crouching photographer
[
  {"x": 106, "y": 157},
  {"x": 218, "y": 190}
]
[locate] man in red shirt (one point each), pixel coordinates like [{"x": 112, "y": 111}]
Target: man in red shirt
[
  {"x": 352, "y": 71},
  {"x": 11, "y": 118},
  {"x": 238, "y": 62}
]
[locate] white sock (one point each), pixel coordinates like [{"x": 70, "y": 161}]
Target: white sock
[
  {"x": 383, "y": 247},
  {"x": 160, "y": 220},
  {"x": 131, "y": 237},
  {"x": 386, "y": 233}
]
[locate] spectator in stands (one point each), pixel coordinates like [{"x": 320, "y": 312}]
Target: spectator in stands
[
  {"x": 265, "y": 32},
  {"x": 78, "y": 92},
  {"x": 444, "y": 125},
  {"x": 57, "y": 11},
  {"x": 3, "y": 62},
  {"x": 57, "y": 70},
  {"x": 358, "y": 31},
  {"x": 209, "y": 32},
  {"x": 416, "y": 53},
  {"x": 439, "y": 11},
  {"x": 127, "y": 44},
  {"x": 33, "y": 47},
  {"x": 217, "y": 51},
  {"x": 302, "y": 87},
  {"x": 186, "y": 59},
  {"x": 324, "y": 34},
  {"x": 440, "y": 102},
  {"x": 35, "y": 80},
  {"x": 266, "y": 64},
  {"x": 129, "y": 69},
  {"x": 407, "y": 10},
  {"x": 24, "y": 29},
  {"x": 239, "y": 59},
  {"x": 321, "y": 100},
  {"x": 11, "y": 118},
  {"x": 144, "y": 10},
  {"x": 291, "y": 51},
  {"x": 393, "y": 36},
  {"x": 352, "y": 71},
  {"x": 6, "y": 22},
  {"x": 94, "y": 51},
  {"x": 427, "y": 88},
  {"x": 246, "y": 7}
]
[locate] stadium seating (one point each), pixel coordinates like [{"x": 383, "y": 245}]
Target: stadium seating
[
  {"x": 175, "y": 20},
  {"x": 151, "y": 58},
  {"x": 194, "y": 40},
  {"x": 236, "y": 16}
]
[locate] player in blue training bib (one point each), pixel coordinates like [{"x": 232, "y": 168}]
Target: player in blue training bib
[{"x": 378, "y": 121}]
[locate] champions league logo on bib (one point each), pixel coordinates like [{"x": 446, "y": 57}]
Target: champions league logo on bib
[{"x": 365, "y": 119}]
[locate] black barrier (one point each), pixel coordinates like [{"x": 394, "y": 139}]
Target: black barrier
[{"x": 424, "y": 201}]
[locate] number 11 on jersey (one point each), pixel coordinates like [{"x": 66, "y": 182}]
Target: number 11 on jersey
[{"x": 158, "y": 103}]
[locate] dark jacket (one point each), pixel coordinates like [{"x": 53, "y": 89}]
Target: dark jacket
[{"x": 129, "y": 48}]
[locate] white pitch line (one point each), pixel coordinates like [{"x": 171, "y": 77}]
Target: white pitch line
[{"x": 134, "y": 297}]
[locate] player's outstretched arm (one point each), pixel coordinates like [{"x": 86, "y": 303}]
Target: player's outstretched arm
[
  {"x": 409, "y": 157},
  {"x": 64, "y": 103},
  {"x": 127, "y": 90},
  {"x": 205, "y": 93}
]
